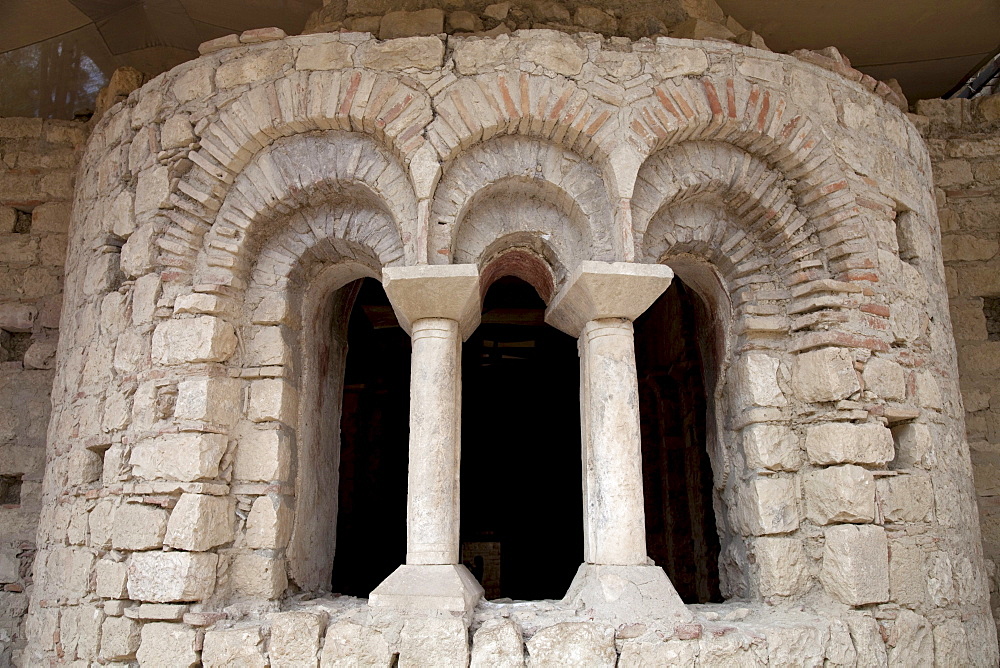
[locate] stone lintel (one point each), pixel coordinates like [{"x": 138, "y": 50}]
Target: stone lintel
[
  {"x": 606, "y": 290},
  {"x": 434, "y": 291},
  {"x": 626, "y": 594},
  {"x": 410, "y": 587}
]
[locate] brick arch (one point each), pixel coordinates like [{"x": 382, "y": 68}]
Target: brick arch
[
  {"x": 516, "y": 186},
  {"x": 390, "y": 109},
  {"x": 328, "y": 169}
]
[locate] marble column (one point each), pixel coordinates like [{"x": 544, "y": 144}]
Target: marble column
[
  {"x": 597, "y": 304},
  {"x": 438, "y": 305}
]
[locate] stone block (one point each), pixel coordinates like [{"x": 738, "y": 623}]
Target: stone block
[
  {"x": 349, "y": 644},
  {"x": 166, "y": 645},
  {"x": 152, "y": 191},
  {"x": 462, "y": 21},
  {"x": 100, "y": 521},
  {"x": 867, "y": 639},
  {"x": 911, "y": 642},
  {"x": 200, "y": 522},
  {"x": 183, "y": 456},
  {"x": 295, "y": 639},
  {"x": 422, "y": 53},
  {"x": 412, "y": 24},
  {"x": 201, "y": 339},
  {"x": 856, "y": 564},
  {"x": 10, "y": 567},
  {"x": 169, "y": 577},
  {"x": 177, "y": 132},
  {"x": 326, "y": 56},
  {"x": 951, "y": 644},
  {"x": 844, "y": 443},
  {"x": 263, "y": 456},
  {"x": 68, "y": 572},
  {"x": 553, "y": 50},
  {"x": 233, "y": 647},
  {"x": 498, "y": 643},
  {"x": 269, "y": 524},
  {"x": 791, "y": 644},
  {"x": 138, "y": 255},
  {"x": 8, "y": 219},
  {"x": 885, "y": 378},
  {"x": 119, "y": 639},
  {"x": 433, "y": 642},
  {"x": 826, "y": 374},
  {"x": 259, "y": 576},
  {"x": 757, "y": 380},
  {"x": 908, "y": 572},
  {"x": 840, "y": 494},
  {"x": 646, "y": 654},
  {"x": 906, "y": 498},
  {"x": 269, "y": 347},
  {"x": 768, "y": 505},
  {"x": 17, "y": 317},
  {"x": 252, "y": 68},
  {"x": 772, "y": 447},
  {"x": 273, "y": 400},
  {"x": 573, "y": 644},
  {"x": 216, "y": 400},
  {"x": 138, "y": 526},
  {"x": 914, "y": 446},
  {"x": 782, "y": 568}
]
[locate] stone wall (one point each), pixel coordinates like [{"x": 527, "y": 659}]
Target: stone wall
[
  {"x": 38, "y": 162},
  {"x": 963, "y": 137},
  {"x": 222, "y": 205}
]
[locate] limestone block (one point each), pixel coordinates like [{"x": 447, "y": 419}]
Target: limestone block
[
  {"x": 233, "y": 647},
  {"x": 906, "y": 498},
  {"x": 498, "y": 644},
  {"x": 553, "y": 50},
  {"x": 641, "y": 654},
  {"x": 911, "y": 642},
  {"x": 168, "y": 577},
  {"x": 768, "y": 505},
  {"x": 348, "y": 644},
  {"x": 914, "y": 446},
  {"x": 733, "y": 648},
  {"x": 840, "y": 494},
  {"x": 200, "y": 522},
  {"x": 795, "y": 645},
  {"x": 951, "y": 645},
  {"x": 826, "y": 374},
  {"x": 772, "y": 447},
  {"x": 68, "y": 572},
  {"x": 573, "y": 644},
  {"x": 256, "y": 575},
  {"x": 111, "y": 577},
  {"x": 119, "y": 638},
  {"x": 269, "y": 524},
  {"x": 9, "y": 567},
  {"x": 183, "y": 456},
  {"x": 422, "y": 53},
  {"x": 885, "y": 378},
  {"x": 272, "y": 400},
  {"x": 40, "y": 355},
  {"x": 138, "y": 255},
  {"x": 217, "y": 400},
  {"x": 497, "y": 11},
  {"x": 17, "y": 317},
  {"x": 253, "y": 67},
  {"x": 177, "y": 132},
  {"x": 411, "y": 24},
  {"x": 434, "y": 291},
  {"x": 867, "y": 640},
  {"x": 475, "y": 56},
  {"x": 295, "y": 639},
  {"x": 269, "y": 347},
  {"x": 757, "y": 380},
  {"x": 325, "y": 56},
  {"x": 840, "y": 650},
  {"x": 166, "y": 645},
  {"x": 907, "y": 571},
  {"x": 433, "y": 642},
  {"x": 263, "y": 456},
  {"x": 928, "y": 391},
  {"x": 152, "y": 191},
  {"x": 843, "y": 443},
  {"x": 195, "y": 83},
  {"x": 782, "y": 568},
  {"x": 8, "y": 218},
  {"x": 201, "y": 339},
  {"x": 100, "y": 522},
  {"x": 856, "y": 564},
  {"x": 138, "y": 526}
]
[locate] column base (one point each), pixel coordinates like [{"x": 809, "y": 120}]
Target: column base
[
  {"x": 449, "y": 587},
  {"x": 625, "y": 594}
]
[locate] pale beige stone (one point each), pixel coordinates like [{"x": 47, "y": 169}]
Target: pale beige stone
[
  {"x": 194, "y": 83},
  {"x": 166, "y": 645},
  {"x": 177, "y": 132},
  {"x": 906, "y": 498},
  {"x": 843, "y": 443},
  {"x": 553, "y": 50},
  {"x": 251, "y": 68},
  {"x": 826, "y": 374},
  {"x": 184, "y": 456},
  {"x": 119, "y": 638},
  {"x": 885, "y": 378},
  {"x": 757, "y": 380},
  {"x": 269, "y": 524},
  {"x": 572, "y": 644},
  {"x": 200, "y": 339},
  {"x": 166, "y": 577},
  {"x": 434, "y": 291},
  {"x": 138, "y": 527},
  {"x": 433, "y": 642},
  {"x": 234, "y": 647},
  {"x": 152, "y": 190},
  {"x": 735, "y": 648},
  {"x": 350, "y": 644},
  {"x": 423, "y": 53},
  {"x": 650, "y": 654},
  {"x": 257, "y": 575},
  {"x": 791, "y": 644},
  {"x": 768, "y": 505},
  {"x": 911, "y": 641},
  {"x": 498, "y": 644},
  {"x": 856, "y": 564},
  {"x": 263, "y": 456},
  {"x": 217, "y": 400},
  {"x": 474, "y": 56},
  {"x": 840, "y": 494},
  {"x": 914, "y": 446},
  {"x": 951, "y": 644},
  {"x": 782, "y": 567},
  {"x": 200, "y": 522},
  {"x": 272, "y": 400},
  {"x": 325, "y": 56},
  {"x": 295, "y": 639},
  {"x": 867, "y": 639}
]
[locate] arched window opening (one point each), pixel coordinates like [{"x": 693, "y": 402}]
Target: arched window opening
[
  {"x": 371, "y": 516},
  {"x": 674, "y": 348},
  {"x": 521, "y": 528}
]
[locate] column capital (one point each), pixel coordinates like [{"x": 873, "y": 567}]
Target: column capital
[
  {"x": 434, "y": 291},
  {"x": 606, "y": 290}
]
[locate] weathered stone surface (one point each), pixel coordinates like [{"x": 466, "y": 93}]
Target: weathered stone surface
[
  {"x": 782, "y": 568},
  {"x": 253, "y": 67},
  {"x": 498, "y": 644},
  {"x": 257, "y": 575},
  {"x": 757, "y": 379},
  {"x": 906, "y": 498},
  {"x": 795, "y": 644},
  {"x": 269, "y": 524},
  {"x": 15, "y": 317},
  {"x": 951, "y": 646},
  {"x": 111, "y": 577},
  {"x": 185, "y": 456},
  {"x": 914, "y": 446},
  {"x": 842, "y": 443},
  {"x": 643, "y": 654},
  {"x": 167, "y": 577},
  {"x": 200, "y": 522},
  {"x": 235, "y": 647},
  {"x": 272, "y": 400},
  {"x": 572, "y": 644},
  {"x": 732, "y": 647},
  {"x": 138, "y": 527},
  {"x": 768, "y": 505},
  {"x": 422, "y": 53},
  {"x": 201, "y": 339},
  {"x": 885, "y": 378},
  {"x": 840, "y": 494},
  {"x": 856, "y": 564},
  {"x": 177, "y": 132},
  {"x": 326, "y": 56},
  {"x": 263, "y": 455},
  {"x": 119, "y": 639},
  {"x": 295, "y": 640},
  {"x": 911, "y": 642},
  {"x": 166, "y": 645},
  {"x": 826, "y": 374},
  {"x": 772, "y": 447},
  {"x": 553, "y": 50},
  {"x": 215, "y": 400},
  {"x": 411, "y": 24},
  {"x": 867, "y": 640},
  {"x": 351, "y": 644}
]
